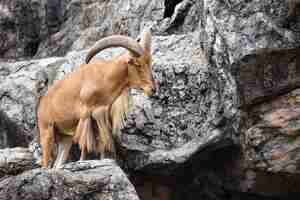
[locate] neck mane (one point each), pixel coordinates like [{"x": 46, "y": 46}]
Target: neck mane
[{"x": 119, "y": 112}]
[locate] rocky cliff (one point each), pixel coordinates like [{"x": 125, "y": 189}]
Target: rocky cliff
[{"x": 224, "y": 124}]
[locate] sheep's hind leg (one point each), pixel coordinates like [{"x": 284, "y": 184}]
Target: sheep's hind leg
[
  {"x": 64, "y": 146},
  {"x": 47, "y": 142}
]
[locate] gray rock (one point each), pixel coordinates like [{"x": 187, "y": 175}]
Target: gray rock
[
  {"x": 19, "y": 92},
  {"x": 15, "y": 160},
  {"x": 223, "y": 175},
  {"x": 53, "y": 28},
  {"x": 249, "y": 39},
  {"x": 99, "y": 180},
  {"x": 196, "y": 106},
  {"x": 89, "y": 21},
  {"x": 25, "y": 23},
  {"x": 97, "y": 19},
  {"x": 258, "y": 43},
  {"x": 185, "y": 17}
]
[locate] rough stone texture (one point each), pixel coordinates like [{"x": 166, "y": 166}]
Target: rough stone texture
[
  {"x": 170, "y": 128},
  {"x": 101, "y": 180},
  {"x": 97, "y": 19},
  {"x": 18, "y": 96},
  {"x": 180, "y": 16},
  {"x": 52, "y": 28},
  {"x": 89, "y": 21},
  {"x": 249, "y": 38},
  {"x": 267, "y": 74},
  {"x": 258, "y": 42},
  {"x": 16, "y": 160},
  {"x": 25, "y": 23},
  {"x": 223, "y": 174},
  {"x": 272, "y": 143}
]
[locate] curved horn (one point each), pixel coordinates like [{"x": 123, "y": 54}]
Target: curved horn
[{"x": 115, "y": 41}]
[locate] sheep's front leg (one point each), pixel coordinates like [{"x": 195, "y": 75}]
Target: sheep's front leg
[
  {"x": 47, "y": 142},
  {"x": 85, "y": 113},
  {"x": 64, "y": 145}
]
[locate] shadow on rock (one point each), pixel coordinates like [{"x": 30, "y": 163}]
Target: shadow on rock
[{"x": 10, "y": 133}]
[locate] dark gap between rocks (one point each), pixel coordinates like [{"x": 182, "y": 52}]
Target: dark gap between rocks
[
  {"x": 31, "y": 48},
  {"x": 11, "y": 133},
  {"x": 170, "y": 7}
]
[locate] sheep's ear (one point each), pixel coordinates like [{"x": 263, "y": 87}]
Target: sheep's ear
[{"x": 146, "y": 40}]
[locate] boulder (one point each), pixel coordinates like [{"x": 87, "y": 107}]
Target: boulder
[
  {"x": 272, "y": 144},
  {"x": 20, "y": 85},
  {"x": 13, "y": 161},
  {"x": 258, "y": 43},
  {"x": 195, "y": 107},
  {"x": 89, "y": 21},
  {"x": 25, "y": 23},
  {"x": 251, "y": 39},
  {"x": 53, "y": 28},
  {"x": 82, "y": 180}
]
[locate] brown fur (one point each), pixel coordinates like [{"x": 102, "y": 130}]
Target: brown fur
[
  {"x": 109, "y": 121},
  {"x": 97, "y": 91}
]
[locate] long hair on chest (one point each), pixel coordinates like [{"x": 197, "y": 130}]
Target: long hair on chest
[{"x": 103, "y": 129}]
